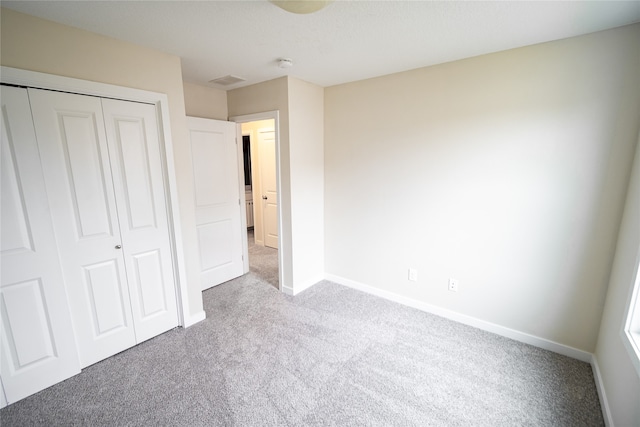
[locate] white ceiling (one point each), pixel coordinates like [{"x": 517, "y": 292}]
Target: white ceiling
[{"x": 347, "y": 41}]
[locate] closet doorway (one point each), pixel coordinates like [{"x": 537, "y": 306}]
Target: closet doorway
[{"x": 107, "y": 195}]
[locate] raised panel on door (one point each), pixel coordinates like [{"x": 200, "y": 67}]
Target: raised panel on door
[
  {"x": 267, "y": 144},
  {"x": 217, "y": 199},
  {"x": 71, "y": 136},
  {"x": 37, "y": 344},
  {"x": 135, "y": 153}
]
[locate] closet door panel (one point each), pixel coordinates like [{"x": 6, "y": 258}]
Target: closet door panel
[
  {"x": 105, "y": 291},
  {"x": 85, "y": 173},
  {"x": 149, "y": 282},
  {"x": 135, "y": 152},
  {"x": 71, "y": 136},
  {"x": 37, "y": 345}
]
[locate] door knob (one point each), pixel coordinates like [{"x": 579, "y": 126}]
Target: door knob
[
  {"x": 118, "y": 246},
  {"x": 264, "y": 197}
]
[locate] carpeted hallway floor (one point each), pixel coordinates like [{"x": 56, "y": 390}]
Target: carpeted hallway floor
[
  {"x": 329, "y": 356},
  {"x": 263, "y": 261}
]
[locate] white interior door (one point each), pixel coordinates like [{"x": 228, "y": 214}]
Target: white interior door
[
  {"x": 72, "y": 138},
  {"x": 267, "y": 144},
  {"x": 37, "y": 342},
  {"x": 134, "y": 151},
  {"x": 217, "y": 199}
]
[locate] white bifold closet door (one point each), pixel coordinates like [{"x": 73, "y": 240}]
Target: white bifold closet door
[
  {"x": 102, "y": 165},
  {"x": 38, "y": 347}
]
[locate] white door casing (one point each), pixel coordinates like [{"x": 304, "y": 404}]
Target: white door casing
[
  {"x": 256, "y": 189},
  {"x": 246, "y": 204},
  {"x": 218, "y": 205},
  {"x": 37, "y": 341},
  {"x": 284, "y": 257},
  {"x": 269, "y": 186},
  {"x": 188, "y": 315},
  {"x": 50, "y": 368}
]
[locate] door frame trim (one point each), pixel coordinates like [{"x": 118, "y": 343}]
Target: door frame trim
[
  {"x": 19, "y": 77},
  {"x": 245, "y": 118}
]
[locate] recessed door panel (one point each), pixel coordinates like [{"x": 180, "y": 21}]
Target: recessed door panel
[
  {"x": 85, "y": 174},
  {"x": 216, "y": 244},
  {"x": 106, "y": 297},
  {"x": 37, "y": 345},
  {"x": 133, "y": 151},
  {"x": 271, "y": 218},
  {"x": 29, "y": 327},
  {"x": 217, "y": 200},
  {"x": 210, "y": 167},
  {"x": 16, "y": 234},
  {"x": 149, "y": 283}
]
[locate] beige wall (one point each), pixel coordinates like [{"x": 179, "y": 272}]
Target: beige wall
[
  {"x": 270, "y": 96},
  {"x": 621, "y": 382},
  {"x": 205, "y": 102},
  {"x": 301, "y": 171},
  {"x": 306, "y": 127},
  {"x": 38, "y": 45},
  {"x": 505, "y": 171}
]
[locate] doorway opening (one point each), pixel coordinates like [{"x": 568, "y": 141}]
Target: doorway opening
[{"x": 262, "y": 196}]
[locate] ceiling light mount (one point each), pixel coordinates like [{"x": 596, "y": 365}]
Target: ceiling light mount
[
  {"x": 301, "y": 6},
  {"x": 285, "y": 63}
]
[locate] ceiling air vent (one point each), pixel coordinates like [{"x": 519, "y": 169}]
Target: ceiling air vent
[{"x": 227, "y": 80}]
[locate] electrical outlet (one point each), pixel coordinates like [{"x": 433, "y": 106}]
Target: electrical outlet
[
  {"x": 453, "y": 285},
  {"x": 413, "y": 274}
]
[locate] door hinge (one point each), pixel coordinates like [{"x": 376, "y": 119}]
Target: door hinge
[{"x": 239, "y": 202}]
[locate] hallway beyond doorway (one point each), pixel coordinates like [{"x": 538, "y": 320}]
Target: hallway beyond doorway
[{"x": 263, "y": 261}]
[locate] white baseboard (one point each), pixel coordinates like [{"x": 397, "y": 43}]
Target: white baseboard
[
  {"x": 300, "y": 287},
  {"x": 287, "y": 290},
  {"x": 192, "y": 320},
  {"x": 307, "y": 284},
  {"x": 602, "y": 395},
  {"x": 467, "y": 320}
]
